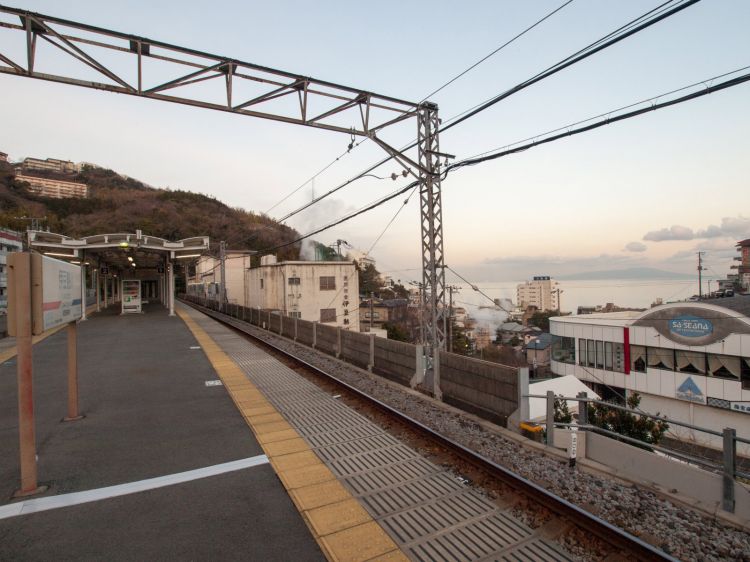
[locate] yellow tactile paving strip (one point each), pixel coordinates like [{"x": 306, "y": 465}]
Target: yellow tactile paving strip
[{"x": 343, "y": 529}]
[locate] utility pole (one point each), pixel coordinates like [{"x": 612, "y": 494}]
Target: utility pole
[
  {"x": 559, "y": 303},
  {"x": 451, "y": 290},
  {"x": 700, "y": 275},
  {"x": 223, "y": 261},
  {"x": 372, "y": 297}
]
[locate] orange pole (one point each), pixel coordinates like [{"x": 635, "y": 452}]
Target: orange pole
[
  {"x": 73, "y": 373},
  {"x": 26, "y": 431}
]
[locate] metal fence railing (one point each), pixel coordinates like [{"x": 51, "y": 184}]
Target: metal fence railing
[{"x": 727, "y": 467}]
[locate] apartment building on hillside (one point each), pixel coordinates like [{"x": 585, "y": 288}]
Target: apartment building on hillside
[
  {"x": 49, "y": 165},
  {"x": 57, "y": 189}
]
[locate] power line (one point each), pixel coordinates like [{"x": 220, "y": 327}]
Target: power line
[
  {"x": 398, "y": 211},
  {"x": 659, "y": 13},
  {"x": 500, "y": 48},
  {"x": 311, "y": 178},
  {"x": 708, "y": 90},
  {"x": 612, "y": 38},
  {"x": 610, "y": 112},
  {"x": 470, "y": 162}
]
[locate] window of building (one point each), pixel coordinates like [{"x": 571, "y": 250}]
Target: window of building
[
  {"x": 608, "y": 355},
  {"x": 564, "y": 349},
  {"x": 599, "y": 354},
  {"x": 618, "y": 352},
  {"x": 295, "y": 314},
  {"x": 261, "y": 283},
  {"x": 582, "y": 352},
  {"x": 293, "y": 280},
  {"x": 591, "y": 348},
  {"x": 661, "y": 358},
  {"x": 745, "y": 373},
  {"x": 691, "y": 362},
  {"x": 725, "y": 366},
  {"x": 375, "y": 315},
  {"x": 328, "y": 283},
  {"x": 638, "y": 358},
  {"x": 327, "y": 314}
]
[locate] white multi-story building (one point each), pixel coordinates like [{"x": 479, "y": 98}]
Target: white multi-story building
[
  {"x": 319, "y": 291},
  {"x": 688, "y": 361},
  {"x": 57, "y": 189},
  {"x": 207, "y": 278},
  {"x": 542, "y": 292},
  {"x": 10, "y": 241},
  {"x": 50, "y": 165}
]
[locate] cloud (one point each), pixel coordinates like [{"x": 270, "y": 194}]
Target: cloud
[
  {"x": 635, "y": 247},
  {"x": 731, "y": 227},
  {"x": 675, "y": 232}
]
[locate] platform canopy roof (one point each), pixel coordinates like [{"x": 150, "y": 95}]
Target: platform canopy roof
[{"x": 115, "y": 248}]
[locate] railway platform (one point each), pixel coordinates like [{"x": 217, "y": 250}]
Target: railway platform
[
  {"x": 161, "y": 467},
  {"x": 199, "y": 444}
]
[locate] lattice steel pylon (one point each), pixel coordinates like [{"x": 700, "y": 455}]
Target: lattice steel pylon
[
  {"x": 433, "y": 270},
  {"x": 309, "y": 102}
]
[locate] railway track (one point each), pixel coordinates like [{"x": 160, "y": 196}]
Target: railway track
[{"x": 623, "y": 544}]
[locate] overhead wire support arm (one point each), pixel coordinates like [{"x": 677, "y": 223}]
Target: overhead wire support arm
[{"x": 323, "y": 100}]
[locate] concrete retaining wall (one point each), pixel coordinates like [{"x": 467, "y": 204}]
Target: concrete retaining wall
[
  {"x": 395, "y": 360},
  {"x": 305, "y": 332},
  {"x": 288, "y": 328},
  {"x": 638, "y": 464},
  {"x": 327, "y": 339},
  {"x": 486, "y": 389},
  {"x": 355, "y": 348}
]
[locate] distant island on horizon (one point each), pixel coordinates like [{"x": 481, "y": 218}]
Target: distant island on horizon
[{"x": 629, "y": 273}]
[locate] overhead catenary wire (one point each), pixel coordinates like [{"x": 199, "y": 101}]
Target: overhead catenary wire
[
  {"x": 470, "y": 162},
  {"x": 657, "y": 14},
  {"x": 654, "y": 16},
  {"x": 607, "y": 121},
  {"x": 497, "y": 50}
]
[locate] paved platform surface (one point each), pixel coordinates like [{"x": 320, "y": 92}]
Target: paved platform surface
[
  {"x": 149, "y": 414},
  {"x": 356, "y": 484}
]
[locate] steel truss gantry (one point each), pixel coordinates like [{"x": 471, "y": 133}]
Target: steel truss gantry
[{"x": 278, "y": 95}]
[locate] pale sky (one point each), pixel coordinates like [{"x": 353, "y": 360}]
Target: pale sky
[{"x": 645, "y": 192}]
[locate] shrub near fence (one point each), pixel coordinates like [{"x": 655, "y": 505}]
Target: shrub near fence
[
  {"x": 395, "y": 360},
  {"x": 355, "y": 348},
  {"x": 327, "y": 339},
  {"x": 486, "y": 389}
]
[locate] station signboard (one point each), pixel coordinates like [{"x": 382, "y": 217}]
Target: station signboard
[
  {"x": 55, "y": 293},
  {"x": 60, "y": 294}
]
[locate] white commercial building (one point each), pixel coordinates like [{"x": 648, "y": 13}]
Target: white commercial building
[
  {"x": 542, "y": 292},
  {"x": 319, "y": 291},
  {"x": 689, "y": 361}
]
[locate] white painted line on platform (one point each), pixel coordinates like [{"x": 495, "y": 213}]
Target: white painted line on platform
[
  {"x": 216, "y": 382},
  {"x": 195, "y": 347},
  {"x": 66, "y": 500}
]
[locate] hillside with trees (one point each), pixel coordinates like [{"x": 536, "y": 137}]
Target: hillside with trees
[{"x": 120, "y": 204}]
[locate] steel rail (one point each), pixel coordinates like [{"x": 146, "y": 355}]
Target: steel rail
[{"x": 609, "y": 533}]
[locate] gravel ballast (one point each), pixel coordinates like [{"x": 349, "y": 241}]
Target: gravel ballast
[{"x": 681, "y": 532}]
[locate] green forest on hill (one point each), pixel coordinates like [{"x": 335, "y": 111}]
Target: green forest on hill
[{"x": 120, "y": 204}]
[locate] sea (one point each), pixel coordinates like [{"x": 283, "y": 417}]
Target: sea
[{"x": 631, "y": 293}]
